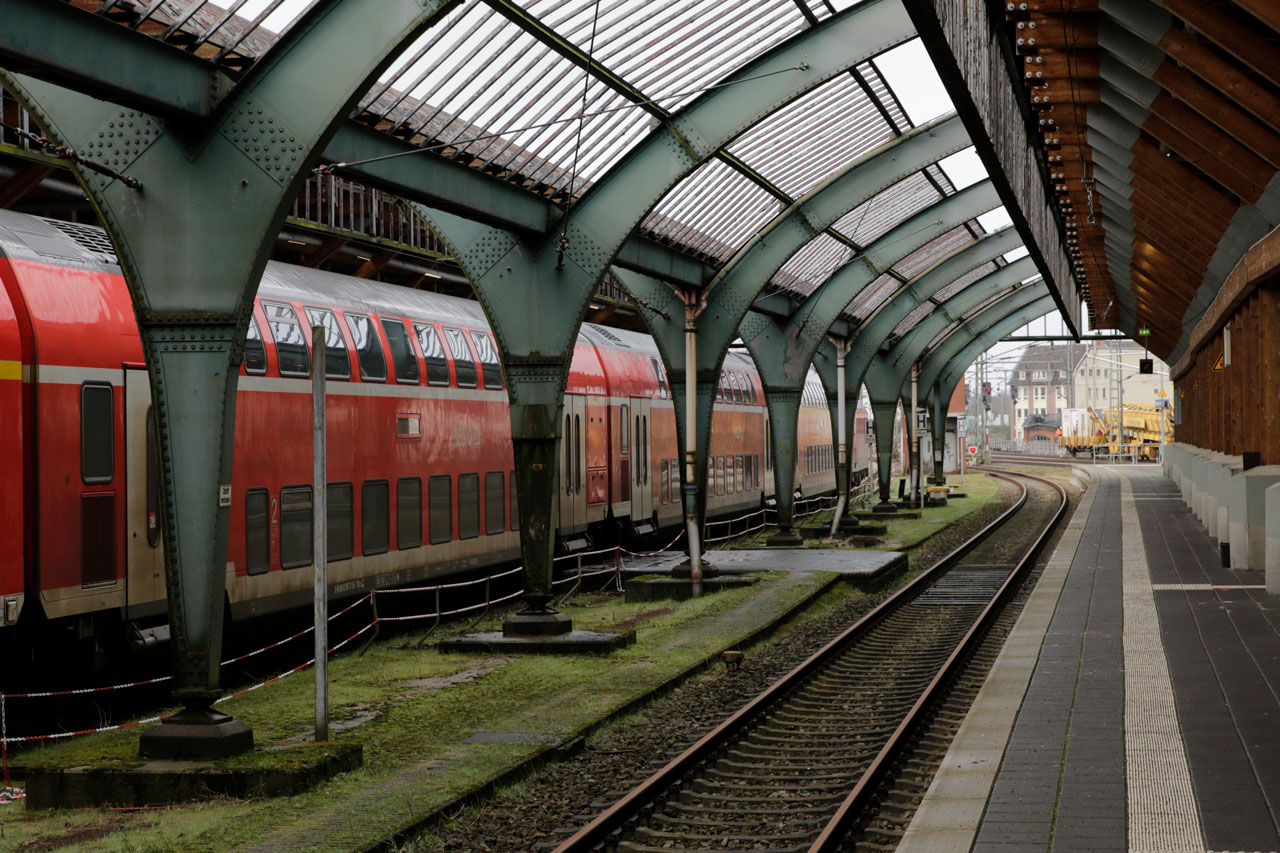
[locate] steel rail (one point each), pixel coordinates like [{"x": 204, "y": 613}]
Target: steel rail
[
  {"x": 833, "y": 835},
  {"x": 644, "y": 797}
]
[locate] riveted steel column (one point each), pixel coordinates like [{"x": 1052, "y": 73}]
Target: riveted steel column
[
  {"x": 193, "y": 226},
  {"x": 842, "y": 437},
  {"x": 693, "y": 520},
  {"x": 784, "y": 415},
  {"x": 939, "y": 402},
  {"x": 883, "y": 413}
]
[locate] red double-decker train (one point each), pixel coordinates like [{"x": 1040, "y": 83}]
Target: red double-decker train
[{"x": 421, "y": 461}]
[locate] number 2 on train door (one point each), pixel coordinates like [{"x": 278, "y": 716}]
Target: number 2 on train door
[{"x": 275, "y": 531}]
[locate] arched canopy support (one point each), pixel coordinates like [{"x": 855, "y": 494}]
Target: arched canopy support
[
  {"x": 784, "y": 348},
  {"x": 558, "y": 276},
  {"x": 887, "y": 376},
  {"x": 192, "y": 243}
]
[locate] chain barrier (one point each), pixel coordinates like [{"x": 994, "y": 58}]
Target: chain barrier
[{"x": 9, "y": 794}]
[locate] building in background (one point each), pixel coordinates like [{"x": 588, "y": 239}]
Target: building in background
[{"x": 1041, "y": 386}]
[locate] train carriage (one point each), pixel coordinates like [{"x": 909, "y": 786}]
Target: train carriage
[{"x": 420, "y": 466}]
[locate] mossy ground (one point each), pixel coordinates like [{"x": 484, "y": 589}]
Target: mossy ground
[
  {"x": 412, "y": 710},
  {"x": 979, "y": 490}
]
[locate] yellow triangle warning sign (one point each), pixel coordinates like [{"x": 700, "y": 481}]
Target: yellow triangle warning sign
[{"x": 1218, "y": 366}]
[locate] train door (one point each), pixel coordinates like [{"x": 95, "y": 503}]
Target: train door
[
  {"x": 144, "y": 558},
  {"x": 573, "y": 501},
  {"x": 641, "y": 487}
]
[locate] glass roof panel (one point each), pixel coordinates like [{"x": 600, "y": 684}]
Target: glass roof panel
[
  {"x": 872, "y": 219},
  {"x": 872, "y": 295},
  {"x": 498, "y": 94},
  {"x": 932, "y": 252},
  {"x": 234, "y": 32},
  {"x": 924, "y": 309},
  {"x": 811, "y": 266},
  {"x": 669, "y": 52},
  {"x": 712, "y": 212},
  {"x": 801, "y": 144}
]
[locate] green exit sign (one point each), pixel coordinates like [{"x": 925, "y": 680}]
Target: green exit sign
[{"x": 1143, "y": 332}]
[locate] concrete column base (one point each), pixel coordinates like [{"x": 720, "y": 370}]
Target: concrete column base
[{"x": 198, "y": 734}]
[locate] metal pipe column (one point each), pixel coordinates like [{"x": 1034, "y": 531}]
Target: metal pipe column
[
  {"x": 842, "y": 458},
  {"x": 691, "y": 442}
]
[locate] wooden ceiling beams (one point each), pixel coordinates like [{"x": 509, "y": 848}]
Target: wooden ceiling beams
[{"x": 1187, "y": 94}]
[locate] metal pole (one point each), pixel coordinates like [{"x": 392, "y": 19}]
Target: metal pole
[
  {"x": 914, "y": 455},
  {"x": 319, "y": 524},
  {"x": 842, "y": 461},
  {"x": 691, "y": 438}
]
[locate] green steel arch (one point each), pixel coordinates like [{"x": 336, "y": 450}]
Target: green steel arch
[{"x": 221, "y": 185}]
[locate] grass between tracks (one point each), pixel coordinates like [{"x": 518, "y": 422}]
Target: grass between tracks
[
  {"x": 414, "y": 711},
  {"x": 979, "y": 489}
]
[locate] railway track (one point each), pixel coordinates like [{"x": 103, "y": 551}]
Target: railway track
[{"x": 795, "y": 768}]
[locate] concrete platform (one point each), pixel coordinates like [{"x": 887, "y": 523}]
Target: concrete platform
[
  {"x": 1134, "y": 705},
  {"x": 682, "y": 589},
  {"x": 843, "y": 562},
  {"x": 572, "y": 643}
]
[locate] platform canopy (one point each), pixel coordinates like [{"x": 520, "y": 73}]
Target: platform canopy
[{"x": 521, "y": 109}]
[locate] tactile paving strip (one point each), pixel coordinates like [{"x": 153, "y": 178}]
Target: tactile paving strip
[{"x": 1163, "y": 814}]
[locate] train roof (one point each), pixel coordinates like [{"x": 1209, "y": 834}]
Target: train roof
[{"x": 34, "y": 238}]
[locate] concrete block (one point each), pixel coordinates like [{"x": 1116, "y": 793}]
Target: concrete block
[
  {"x": 1271, "y": 554},
  {"x": 1248, "y": 515},
  {"x": 1228, "y": 467}
]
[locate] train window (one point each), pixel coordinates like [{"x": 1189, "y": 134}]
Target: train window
[
  {"x": 733, "y": 386},
  {"x": 373, "y": 364},
  {"x": 748, "y": 473},
  {"x": 97, "y": 433},
  {"x": 375, "y": 521},
  {"x": 257, "y": 541},
  {"x": 408, "y": 513},
  {"x": 462, "y": 363},
  {"x": 664, "y": 482},
  {"x": 731, "y": 485},
  {"x": 662, "y": 379},
  {"x": 768, "y": 448},
  {"x": 490, "y": 365},
  {"x": 433, "y": 354},
  {"x": 153, "y": 482},
  {"x": 515, "y": 504},
  {"x": 719, "y": 475},
  {"x": 340, "y": 536},
  {"x": 568, "y": 457},
  {"x": 292, "y": 356},
  {"x": 644, "y": 446},
  {"x": 624, "y": 430},
  {"x": 748, "y": 390},
  {"x": 741, "y": 481},
  {"x": 468, "y": 506},
  {"x": 255, "y": 351},
  {"x": 755, "y": 457},
  {"x": 494, "y": 503},
  {"x": 337, "y": 362},
  {"x": 295, "y": 526},
  {"x": 577, "y": 453},
  {"x": 406, "y": 363},
  {"x": 440, "y": 508}
]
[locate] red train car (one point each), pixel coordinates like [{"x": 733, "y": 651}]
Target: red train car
[{"x": 420, "y": 471}]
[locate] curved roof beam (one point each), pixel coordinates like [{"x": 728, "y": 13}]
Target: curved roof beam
[
  {"x": 101, "y": 58},
  {"x": 747, "y": 272},
  {"x": 909, "y": 346},
  {"x": 986, "y": 339},
  {"x": 561, "y": 275},
  {"x": 934, "y": 361}
]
